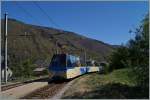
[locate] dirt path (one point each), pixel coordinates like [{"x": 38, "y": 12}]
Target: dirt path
[{"x": 23, "y": 90}]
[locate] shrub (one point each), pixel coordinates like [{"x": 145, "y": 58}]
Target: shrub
[
  {"x": 119, "y": 59},
  {"x": 23, "y": 69}
]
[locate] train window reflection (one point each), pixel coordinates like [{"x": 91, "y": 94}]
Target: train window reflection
[{"x": 73, "y": 61}]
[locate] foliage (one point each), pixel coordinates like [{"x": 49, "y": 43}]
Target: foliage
[
  {"x": 28, "y": 68},
  {"x": 139, "y": 54},
  {"x": 106, "y": 68},
  {"x": 119, "y": 58},
  {"x": 135, "y": 55},
  {"x": 23, "y": 69}
]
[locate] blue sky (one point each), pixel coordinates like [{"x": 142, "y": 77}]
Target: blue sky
[{"x": 109, "y": 22}]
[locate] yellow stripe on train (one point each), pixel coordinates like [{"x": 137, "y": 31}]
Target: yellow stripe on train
[{"x": 71, "y": 73}]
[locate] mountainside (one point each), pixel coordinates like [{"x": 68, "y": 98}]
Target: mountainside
[{"x": 40, "y": 43}]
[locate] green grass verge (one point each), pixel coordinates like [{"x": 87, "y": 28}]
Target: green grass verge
[{"x": 116, "y": 84}]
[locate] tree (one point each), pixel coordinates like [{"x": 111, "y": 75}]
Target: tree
[
  {"x": 23, "y": 69},
  {"x": 139, "y": 53},
  {"x": 28, "y": 68},
  {"x": 119, "y": 58}
]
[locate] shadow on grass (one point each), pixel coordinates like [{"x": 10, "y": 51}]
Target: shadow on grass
[{"x": 113, "y": 91}]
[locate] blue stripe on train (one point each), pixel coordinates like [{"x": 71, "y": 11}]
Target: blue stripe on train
[{"x": 84, "y": 70}]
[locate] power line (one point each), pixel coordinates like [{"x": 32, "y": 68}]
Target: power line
[
  {"x": 50, "y": 19},
  {"x": 27, "y": 12}
]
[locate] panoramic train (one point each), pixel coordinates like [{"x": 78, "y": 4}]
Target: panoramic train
[{"x": 65, "y": 66}]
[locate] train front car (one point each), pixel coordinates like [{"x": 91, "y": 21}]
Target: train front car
[
  {"x": 73, "y": 66},
  {"x": 64, "y": 66},
  {"x": 57, "y": 67}
]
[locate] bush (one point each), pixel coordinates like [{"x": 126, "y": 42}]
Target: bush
[
  {"x": 119, "y": 59},
  {"x": 23, "y": 69},
  {"x": 28, "y": 68},
  {"x": 105, "y": 68}
]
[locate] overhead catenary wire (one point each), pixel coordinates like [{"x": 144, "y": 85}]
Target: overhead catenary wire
[
  {"x": 30, "y": 15},
  {"x": 24, "y": 10},
  {"x": 45, "y": 13},
  {"x": 50, "y": 20},
  {"x": 25, "y": 35}
]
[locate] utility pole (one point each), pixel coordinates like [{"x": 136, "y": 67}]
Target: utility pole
[
  {"x": 85, "y": 56},
  {"x": 56, "y": 47},
  {"x": 5, "y": 51}
]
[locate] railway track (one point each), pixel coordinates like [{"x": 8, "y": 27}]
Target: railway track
[
  {"x": 3, "y": 88},
  {"x": 46, "y": 92},
  {"x": 30, "y": 90}
]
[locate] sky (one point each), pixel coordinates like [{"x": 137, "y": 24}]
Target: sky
[{"x": 108, "y": 21}]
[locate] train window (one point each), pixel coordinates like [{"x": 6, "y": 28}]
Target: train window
[
  {"x": 58, "y": 61},
  {"x": 69, "y": 64},
  {"x": 73, "y": 61}
]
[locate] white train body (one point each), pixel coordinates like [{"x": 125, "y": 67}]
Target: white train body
[{"x": 68, "y": 66}]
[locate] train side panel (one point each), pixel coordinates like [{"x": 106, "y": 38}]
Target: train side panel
[
  {"x": 74, "y": 72},
  {"x": 93, "y": 69},
  {"x": 71, "y": 73}
]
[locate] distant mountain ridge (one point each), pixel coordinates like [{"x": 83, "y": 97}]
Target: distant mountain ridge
[{"x": 40, "y": 45}]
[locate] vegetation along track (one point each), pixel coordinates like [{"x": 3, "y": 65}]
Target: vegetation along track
[{"x": 46, "y": 92}]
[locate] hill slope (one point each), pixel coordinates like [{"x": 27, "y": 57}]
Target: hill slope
[{"x": 40, "y": 45}]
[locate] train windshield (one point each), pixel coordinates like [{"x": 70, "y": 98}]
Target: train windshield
[
  {"x": 73, "y": 61},
  {"x": 58, "y": 61}
]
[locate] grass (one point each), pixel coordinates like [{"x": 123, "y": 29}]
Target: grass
[
  {"x": 117, "y": 76},
  {"x": 115, "y": 85}
]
